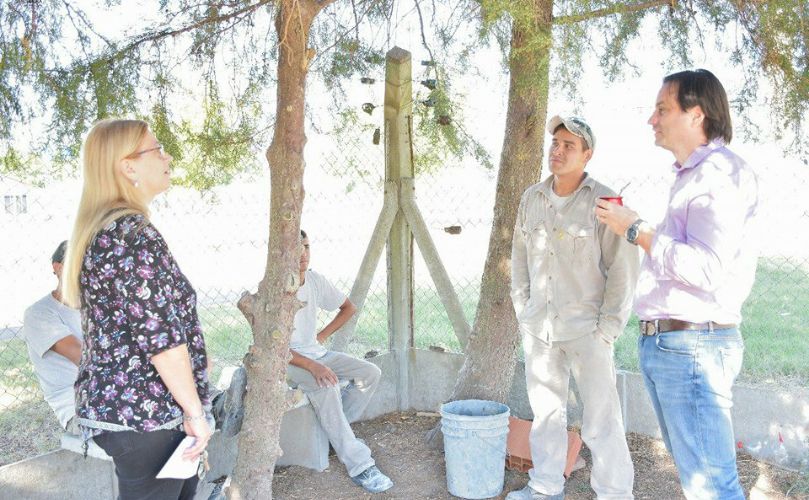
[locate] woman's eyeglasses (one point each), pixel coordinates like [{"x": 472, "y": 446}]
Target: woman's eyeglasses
[{"x": 159, "y": 148}]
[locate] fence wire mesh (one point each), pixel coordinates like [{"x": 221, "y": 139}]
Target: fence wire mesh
[{"x": 219, "y": 239}]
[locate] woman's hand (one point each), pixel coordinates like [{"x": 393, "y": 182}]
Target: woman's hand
[
  {"x": 174, "y": 367},
  {"x": 198, "y": 428}
]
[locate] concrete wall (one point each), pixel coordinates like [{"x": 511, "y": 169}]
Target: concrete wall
[
  {"x": 58, "y": 475},
  {"x": 759, "y": 416},
  {"x": 433, "y": 376}
]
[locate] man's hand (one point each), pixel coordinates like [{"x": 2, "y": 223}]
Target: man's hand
[
  {"x": 347, "y": 310},
  {"x": 323, "y": 375},
  {"x": 616, "y": 217}
]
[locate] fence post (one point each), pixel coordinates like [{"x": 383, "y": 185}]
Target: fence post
[{"x": 398, "y": 165}]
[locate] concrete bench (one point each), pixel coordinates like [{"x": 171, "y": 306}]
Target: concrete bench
[
  {"x": 72, "y": 442},
  {"x": 303, "y": 441}
]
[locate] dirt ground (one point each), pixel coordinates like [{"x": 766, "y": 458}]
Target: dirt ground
[{"x": 417, "y": 469}]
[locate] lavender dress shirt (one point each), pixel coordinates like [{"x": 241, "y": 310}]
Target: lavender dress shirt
[{"x": 703, "y": 257}]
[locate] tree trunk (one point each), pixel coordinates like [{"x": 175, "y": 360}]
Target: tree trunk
[
  {"x": 488, "y": 370},
  {"x": 272, "y": 309}
]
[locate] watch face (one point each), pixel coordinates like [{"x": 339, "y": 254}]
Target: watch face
[{"x": 632, "y": 233}]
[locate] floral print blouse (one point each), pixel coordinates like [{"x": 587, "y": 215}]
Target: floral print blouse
[{"x": 135, "y": 303}]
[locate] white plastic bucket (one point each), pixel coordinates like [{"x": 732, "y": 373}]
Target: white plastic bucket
[{"x": 475, "y": 447}]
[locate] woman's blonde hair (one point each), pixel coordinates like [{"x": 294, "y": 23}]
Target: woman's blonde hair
[{"x": 106, "y": 194}]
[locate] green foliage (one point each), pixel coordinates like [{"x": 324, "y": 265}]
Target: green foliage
[
  {"x": 60, "y": 72},
  {"x": 440, "y": 127},
  {"x": 12, "y": 163},
  {"x": 351, "y": 58},
  {"x": 777, "y": 39},
  {"x": 219, "y": 55},
  {"x": 76, "y": 75},
  {"x": 764, "y": 38},
  {"x": 618, "y": 31},
  {"x": 771, "y": 42},
  {"x": 570, "y": 45},
  {"x": 216, "y": 151},
  {"x": 440, "y": 133}
]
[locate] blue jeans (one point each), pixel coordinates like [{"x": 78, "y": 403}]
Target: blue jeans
[{"x": 689, "y": 376}]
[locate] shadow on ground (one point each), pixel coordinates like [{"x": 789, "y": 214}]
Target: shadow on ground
[{"x": 397, "y": 440}]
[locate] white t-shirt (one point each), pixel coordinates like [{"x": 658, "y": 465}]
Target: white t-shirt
[
  {"x": 46, "y": 322},
  {"x": 557, "y": 201},
  {"x": 316, "y": 293}
]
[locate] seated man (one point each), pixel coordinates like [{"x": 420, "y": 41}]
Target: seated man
[
  {"x": 317, "y": 371},
  {"x": 53, "y": 334}
]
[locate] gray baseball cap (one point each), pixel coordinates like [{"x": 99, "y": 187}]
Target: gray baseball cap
[{"x": 575, "y": 126}]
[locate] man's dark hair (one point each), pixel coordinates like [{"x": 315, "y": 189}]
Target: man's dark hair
[
  {"x": 59, "y": 254},
  {"x": 701, "y": 88},
  {"x": 303, "y": 234}
]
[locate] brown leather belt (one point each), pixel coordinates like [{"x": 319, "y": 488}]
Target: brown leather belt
[{"x": 670, "y": 325}]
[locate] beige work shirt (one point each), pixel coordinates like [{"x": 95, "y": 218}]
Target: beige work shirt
[{"x": 570, "y": 275}]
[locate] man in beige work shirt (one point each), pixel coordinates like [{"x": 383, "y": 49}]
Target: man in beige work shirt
[{"x": 572, "y": 283}]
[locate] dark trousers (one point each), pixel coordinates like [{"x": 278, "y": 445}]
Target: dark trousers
[{"x": 138, "y": 457}]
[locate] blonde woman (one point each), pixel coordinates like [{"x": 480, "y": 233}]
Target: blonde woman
[{"x": 142, "y": 381}]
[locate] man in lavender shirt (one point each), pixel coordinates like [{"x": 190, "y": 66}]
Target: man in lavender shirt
[{"x": 699, "y": 268}]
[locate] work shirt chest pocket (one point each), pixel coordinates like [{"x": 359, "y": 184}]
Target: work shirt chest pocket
[
  {"x": 576, "y": 242},
  {"x": 536, "y": 237}
]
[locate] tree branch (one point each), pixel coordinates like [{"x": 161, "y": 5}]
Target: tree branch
[
  {"x": 615, "y": 9},
  {"x": 342, "y": 35},
  {"x": 423, "y": 36},
  {"x": 356, "y": 20},
  {"x": 83, "y": 18},
  {"x": 155, "y": 36}
]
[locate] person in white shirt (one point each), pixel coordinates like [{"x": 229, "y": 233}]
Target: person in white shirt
[
  {"x": 318, "y": 371},
  {"x": 52, "y": 332}
]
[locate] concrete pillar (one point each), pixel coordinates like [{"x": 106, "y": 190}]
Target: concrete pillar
[{"x": 398, "y": 165}]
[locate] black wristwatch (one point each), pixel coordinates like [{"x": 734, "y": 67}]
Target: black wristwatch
[{"x": 633, "y": 231}]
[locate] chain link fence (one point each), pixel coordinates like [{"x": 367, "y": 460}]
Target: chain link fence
[{"x": 219, "y": 239}]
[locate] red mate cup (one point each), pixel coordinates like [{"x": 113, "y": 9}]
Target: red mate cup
[{"x": 618, "y": 200}]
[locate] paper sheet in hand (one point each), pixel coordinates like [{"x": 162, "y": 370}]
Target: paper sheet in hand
[{"x": 177, "y": 467}]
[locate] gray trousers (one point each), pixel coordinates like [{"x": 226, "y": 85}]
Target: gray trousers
[
  {"x": 336, "y": 409},
  {"x": 547, "y": 372}
]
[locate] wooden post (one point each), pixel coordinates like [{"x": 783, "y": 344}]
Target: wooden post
[
  {"x": 438, "y": 272},
  {"x": 398, "y": 165},
  {"x": 379, "y": 238}
]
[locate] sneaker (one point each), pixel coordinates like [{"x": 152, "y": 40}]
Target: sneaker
[
  {"x": 529, "y": 493},
  {"x": 373, "y": 480}
]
